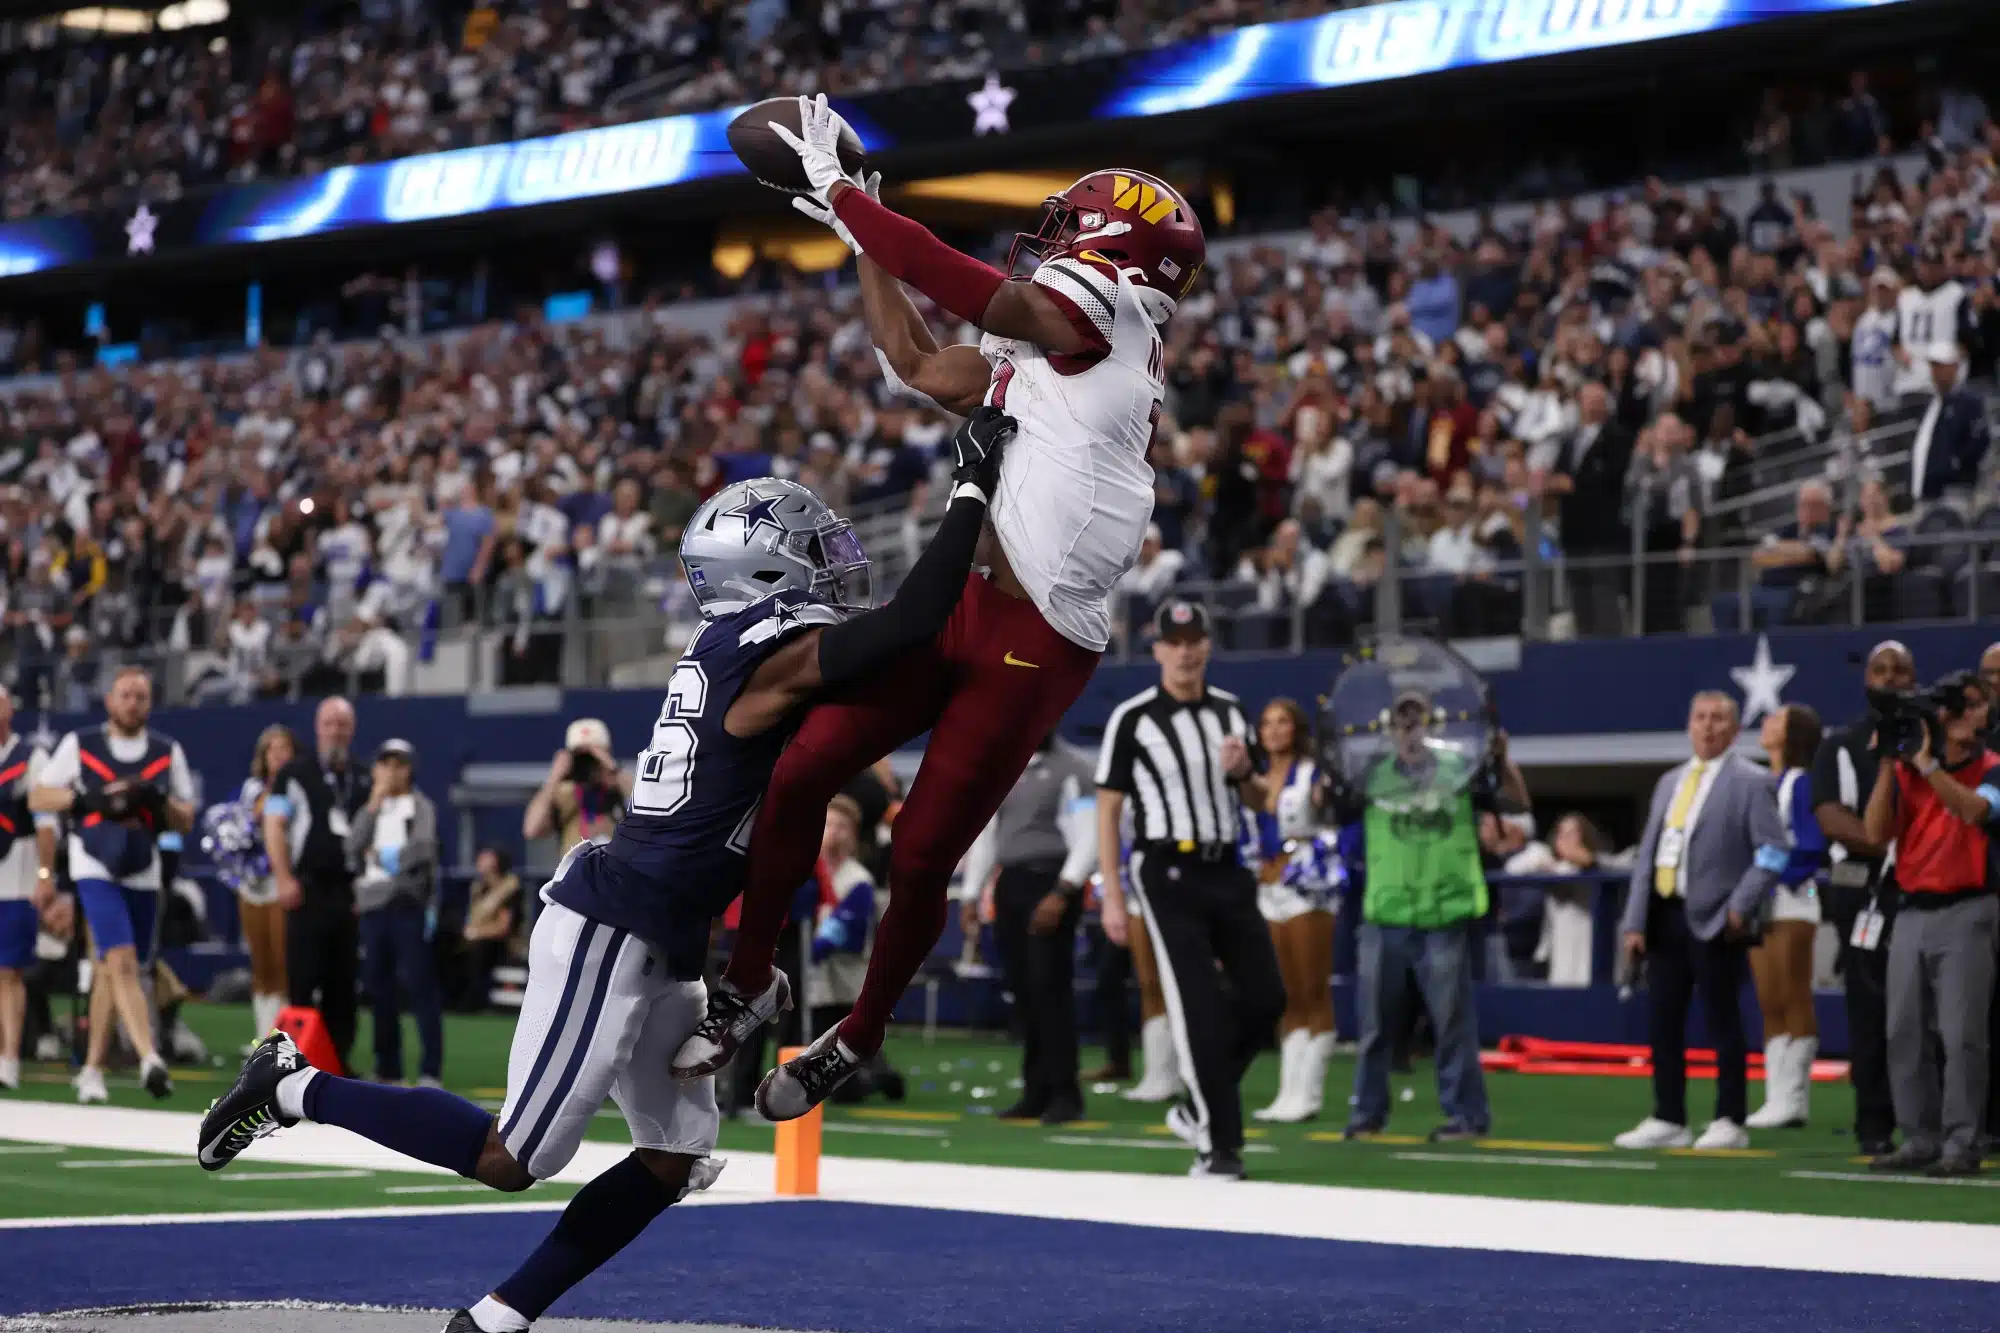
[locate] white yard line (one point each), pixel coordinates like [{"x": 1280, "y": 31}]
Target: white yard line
[
  {"x": 123, "y": 1163},
  {"x": 27, "y": 1149},
  {"x": 252, "y": 1177},
  {"x": 889, "y": 1131},
  {"x": 1170, "y": 1145},
  {"x": 1390, "y": 1217},
  {"x": 1865, "y": 1178},
  {"x": 1503, "y": 1159}
]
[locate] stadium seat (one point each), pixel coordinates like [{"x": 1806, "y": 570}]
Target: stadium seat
[
  {"x": 1920, "y": 595},
  {"x": 1976, "y": 592},
  {"x": 1987, "y": 524},
  {"x": 1946, "y": 557}
]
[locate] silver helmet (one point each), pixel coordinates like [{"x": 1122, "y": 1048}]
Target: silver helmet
[{"x": 753, "y": 538}]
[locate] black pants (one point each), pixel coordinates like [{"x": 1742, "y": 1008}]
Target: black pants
[
  {"x": 1110, "y": 1005},
  {"x": 323, "y": 958},
  {"x": 1041, "y": 972},
  {"x": 1678, "y": 966},
  {"x": 1864, "y": 977},
  {"x": 1594, "y": 596},
  {"x": 1201, "y": 914}
]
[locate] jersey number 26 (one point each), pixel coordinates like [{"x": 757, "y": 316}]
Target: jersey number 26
[{"x": 666, "y": 769}]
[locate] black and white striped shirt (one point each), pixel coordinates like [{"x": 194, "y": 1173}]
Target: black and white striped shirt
[{"x": 1165, "y": 756}]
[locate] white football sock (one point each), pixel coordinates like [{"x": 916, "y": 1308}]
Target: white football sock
[
  {"x": 493, "y": 1317},
  {"x": 292, "y": 1095}
]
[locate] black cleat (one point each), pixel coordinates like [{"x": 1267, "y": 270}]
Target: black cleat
[
  {"x": 249, "y": 1110},
  {"x": 1063, "y": 1109},
  {"x": 157, "y": 1080},
  {"x": 462, "y": 1322},
  {"x": 731, "y": 1020},
  {"x": 1218, "y": 1166},
  {"x": 805, "y": 1080}
]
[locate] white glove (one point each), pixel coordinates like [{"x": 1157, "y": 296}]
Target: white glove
[
  {"x": 824, "y": 214},
  {"x": 819, "y": 149}
]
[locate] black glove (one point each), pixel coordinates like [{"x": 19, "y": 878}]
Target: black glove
[
  {"x": 149, "y": 800},
  {"x": 89, "y": 803},
  {"x": 977, "y": 445}
]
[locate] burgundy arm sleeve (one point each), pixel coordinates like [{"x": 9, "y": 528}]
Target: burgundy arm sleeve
[{"x": 907, "y": 251}]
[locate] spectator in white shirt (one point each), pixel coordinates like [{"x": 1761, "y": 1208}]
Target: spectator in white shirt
[
  {"x": 248, "y": 644},
  {"x": 1456, "y": 548},
  {"x": 1288, "y": 573},
  {"x": 626, "y": 533},
  {"x": 1156, "y": 569},
  {"x": 1322, "y": 463},
  {"x": 1873, "y": 346}
]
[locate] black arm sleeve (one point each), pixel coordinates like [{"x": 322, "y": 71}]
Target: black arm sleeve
[{"x": 920, "y": 607}]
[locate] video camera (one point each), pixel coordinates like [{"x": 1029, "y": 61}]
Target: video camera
[{"x": 1902, "y": 717}]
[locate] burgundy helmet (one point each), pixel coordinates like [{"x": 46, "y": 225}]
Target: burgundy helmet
[{"x": 1137, "y": 223}]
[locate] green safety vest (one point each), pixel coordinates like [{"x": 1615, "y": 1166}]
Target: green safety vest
[{"x": 1421, "y": 850}]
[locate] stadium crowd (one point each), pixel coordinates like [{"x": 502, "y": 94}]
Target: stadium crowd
[
  {"x": 101, "y": 124},
  {"x": 1478, "y": 393}
]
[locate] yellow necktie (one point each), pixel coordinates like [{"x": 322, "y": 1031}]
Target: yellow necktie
[{"x": 1667, "y": 879}]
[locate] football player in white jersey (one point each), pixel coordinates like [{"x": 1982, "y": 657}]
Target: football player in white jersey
[{"x": 1074, "y": 355}]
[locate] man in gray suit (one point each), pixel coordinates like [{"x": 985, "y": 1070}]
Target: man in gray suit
[{"x": 1713, "y": 848}]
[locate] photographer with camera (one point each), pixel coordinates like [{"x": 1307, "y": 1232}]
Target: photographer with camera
[
  {"x": 1861, "y": 896},
  {"x": 123, "y": 786},
  {"x": 583, "y": 797},
  {"x": 1936, "y": 795}
]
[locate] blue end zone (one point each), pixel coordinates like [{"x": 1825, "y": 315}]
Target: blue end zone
[{"x": 867, "y": 1269}]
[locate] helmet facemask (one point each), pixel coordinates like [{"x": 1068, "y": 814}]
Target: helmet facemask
[{"x": 843, "y": 573}]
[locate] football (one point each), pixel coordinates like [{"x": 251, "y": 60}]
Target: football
[{"x": 770, "y": 159}]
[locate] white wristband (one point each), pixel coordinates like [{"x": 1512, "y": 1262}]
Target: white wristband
[{"x": 971, "y": 488}]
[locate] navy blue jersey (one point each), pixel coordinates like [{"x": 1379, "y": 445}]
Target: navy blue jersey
[{"x": 676, "y": 861}]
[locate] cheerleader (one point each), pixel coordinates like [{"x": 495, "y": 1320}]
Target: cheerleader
[
  {"x": 256, "y": 893},
  {"x": 1294, "y": 897},
  {"x": 1783, "y": 964}
]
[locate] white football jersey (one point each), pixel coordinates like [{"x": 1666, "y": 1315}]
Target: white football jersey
[
  {"x": 1872, "y": 350},
  {"x": 1927, "y": 319},
  {"x": 1076, "y": 491}
]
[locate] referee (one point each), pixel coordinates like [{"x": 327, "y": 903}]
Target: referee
[{"x": 1179, "y": 753}]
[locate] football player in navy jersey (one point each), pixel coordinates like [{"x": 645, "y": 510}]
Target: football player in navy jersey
[{"x": 615, "y": 961}]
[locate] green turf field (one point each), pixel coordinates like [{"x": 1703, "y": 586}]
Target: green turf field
[{"x": 1552, "y": 1141}]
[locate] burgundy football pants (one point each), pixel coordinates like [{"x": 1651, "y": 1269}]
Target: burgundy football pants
[{"x": 988, "y": 688}]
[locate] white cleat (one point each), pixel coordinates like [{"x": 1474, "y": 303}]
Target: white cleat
[
  {"x": 89, "y": 1085},
  {"x": 1653, "y": 1132},
  {"x": 1722, "y": 1136},
  {"x": 731, "y": 1020},
  {"x": 10, "y": 1073}
]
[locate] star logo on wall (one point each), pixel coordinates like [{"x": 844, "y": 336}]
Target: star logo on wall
[
  {"x": 990, "y": 105},
  {"x": 1762, "y": 682},
  {"x": 756, "y": 511},
  {"x": 139, "y": 229}
]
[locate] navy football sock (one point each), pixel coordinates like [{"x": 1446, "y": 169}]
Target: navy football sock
[
  {"x": 429, "y": 1124},
  {"x": 605, "y": 1216}
]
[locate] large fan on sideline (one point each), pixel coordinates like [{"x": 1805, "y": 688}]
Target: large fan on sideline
[{"x": 1408, "y": 722}]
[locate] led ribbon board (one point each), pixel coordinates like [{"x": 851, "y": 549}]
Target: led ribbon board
[
  {"x": 1411, "y": 37},
  {"x": 584, "y": 164}
]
